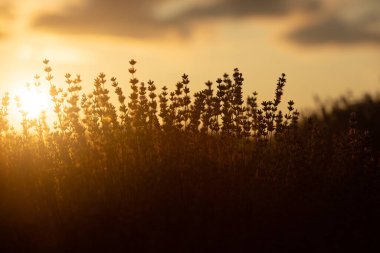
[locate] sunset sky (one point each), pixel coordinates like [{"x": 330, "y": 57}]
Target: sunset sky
[{"x": 326, "y": 47}]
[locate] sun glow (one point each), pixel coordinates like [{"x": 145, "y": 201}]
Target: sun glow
[{"x": 33, "y": 101}]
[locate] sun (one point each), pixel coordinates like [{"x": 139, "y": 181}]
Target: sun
[{"x": 33, "y": 101}]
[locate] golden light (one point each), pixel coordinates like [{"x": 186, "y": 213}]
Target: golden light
[{"x": 34, "y": 101}]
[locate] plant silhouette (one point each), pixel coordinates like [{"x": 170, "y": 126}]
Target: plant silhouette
[{"x": 178, "y": 171}]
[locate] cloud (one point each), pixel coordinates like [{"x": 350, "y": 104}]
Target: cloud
[
  {"x": 138, "y": 18},
  {"x": 5, "y": 9},
  {"x": 133, "y": 18},
  {"x": 350, "y": 22},
  {"x": 5, "y": 16},
  {"x": 244, "y": 8},
  {"x": 326, "y": 21},
  {"x": 333, "y": 30}
]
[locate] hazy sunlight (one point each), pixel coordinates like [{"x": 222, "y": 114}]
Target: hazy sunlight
[{"x": 33, "y": 101}]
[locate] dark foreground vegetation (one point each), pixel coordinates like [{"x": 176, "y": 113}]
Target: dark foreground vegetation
[{"x": 168, "y": 171}]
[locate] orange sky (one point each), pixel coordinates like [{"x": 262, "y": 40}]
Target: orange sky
[{"x": 325, "y": 47}]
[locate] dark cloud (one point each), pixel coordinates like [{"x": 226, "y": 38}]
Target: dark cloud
[
  {"x": 352, "y": 22},
  {"x": 333, "y": 30},
  {"x": 244, "y": 8},
  {"x": 137, "y": 18},
  {"x": 116, "y": 17}
]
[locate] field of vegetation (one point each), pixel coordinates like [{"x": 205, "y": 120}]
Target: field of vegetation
[{"x": 150, "y": 169}]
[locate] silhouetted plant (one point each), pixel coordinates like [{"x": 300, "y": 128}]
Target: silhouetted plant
[{"x": 159, "y": 165}]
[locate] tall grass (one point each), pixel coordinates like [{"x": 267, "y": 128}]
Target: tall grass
[{"x": 170, "y": 171}]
